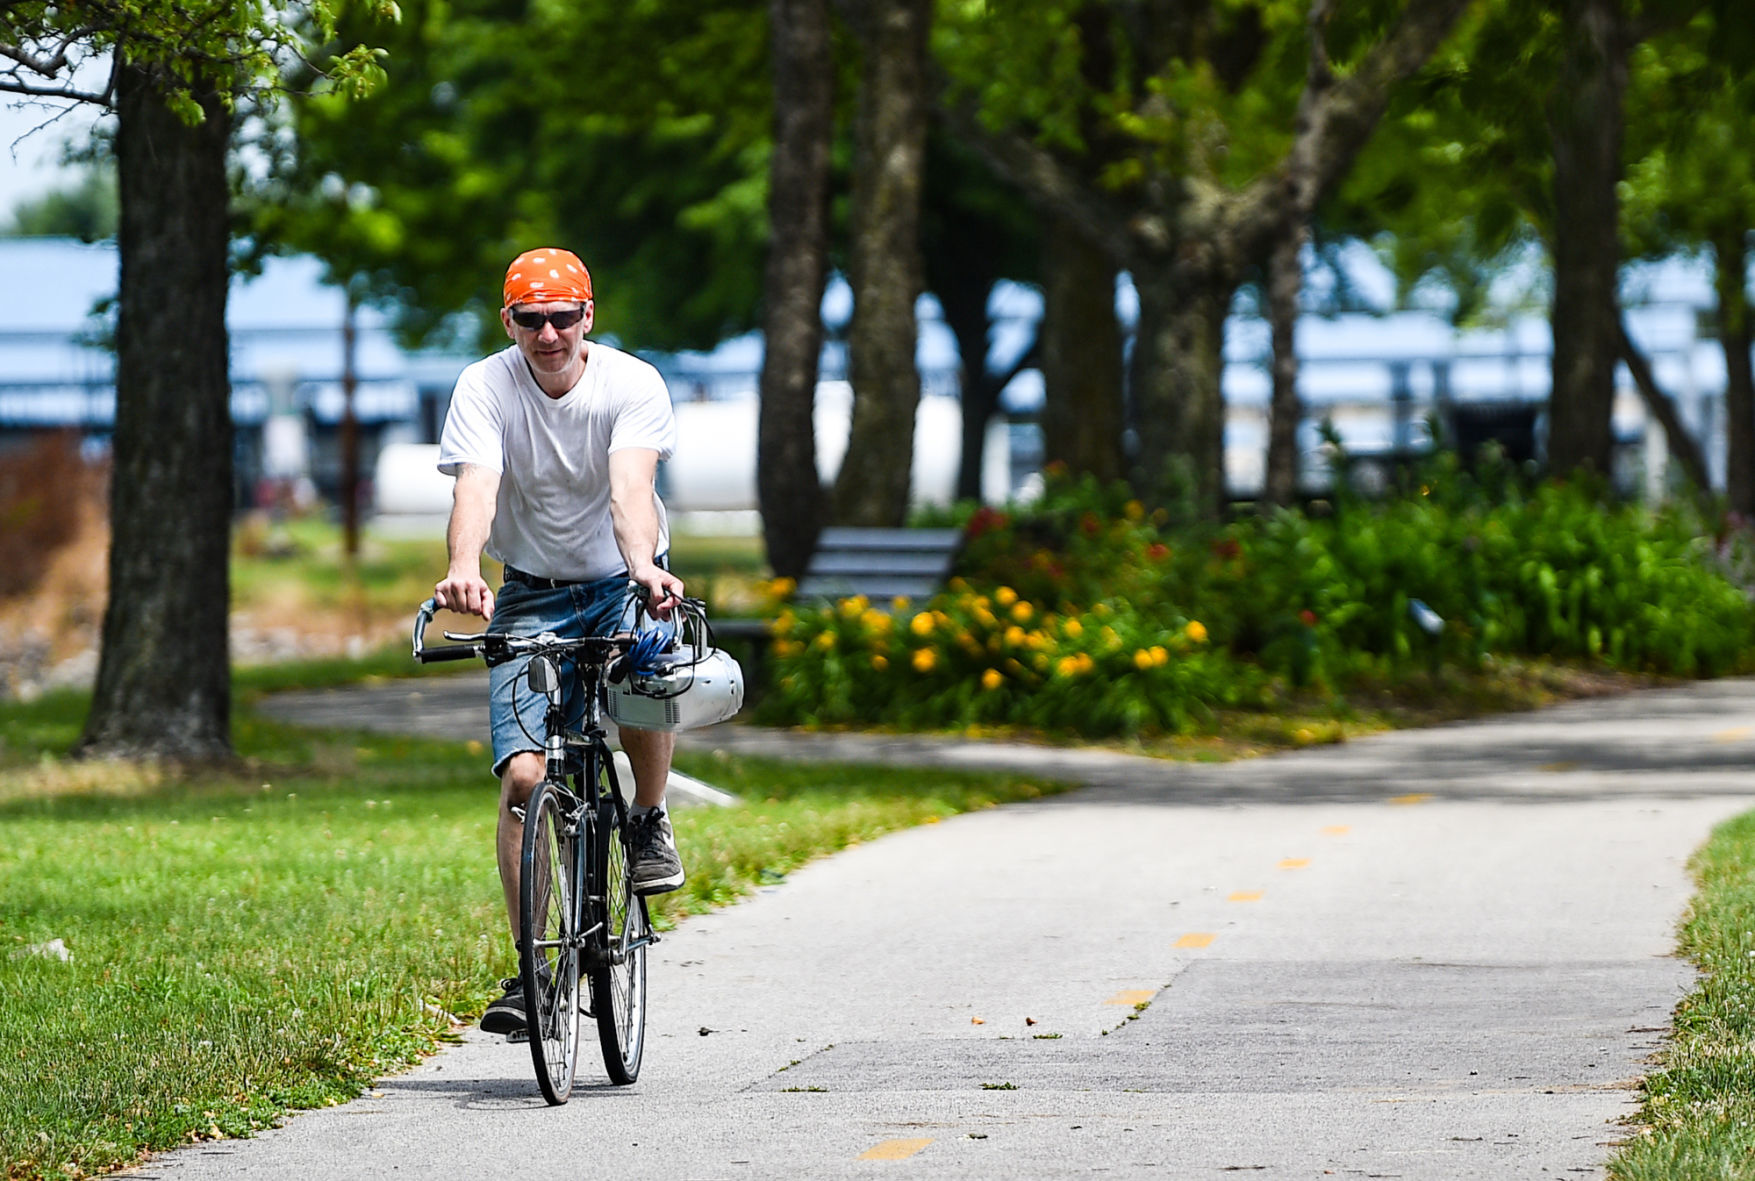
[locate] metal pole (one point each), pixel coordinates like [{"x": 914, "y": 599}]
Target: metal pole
[{"x": 350, "y": 438}]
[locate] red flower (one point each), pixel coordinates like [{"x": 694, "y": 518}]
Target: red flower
[
  {"x": 985, "y": 520},
  {"x": 1090, "y": 524},
  {"x": 1227, "y": 549},
  {"x": 1157, "y": 551},
  {"x": 1307, "y": 617}
]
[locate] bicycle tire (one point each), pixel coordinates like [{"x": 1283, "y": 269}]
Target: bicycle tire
[
  {"x": 618, "y": 973},
  {"x": 548, "y": 942}
]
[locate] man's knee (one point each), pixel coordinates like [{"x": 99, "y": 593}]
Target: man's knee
[{"x": 523, "y": 771}]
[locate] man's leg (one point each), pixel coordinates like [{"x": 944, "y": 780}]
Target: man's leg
[
  {"x": 523, "y": 772},
  {"x": 657, "y": 868},
  {"x": 649, "y": 751}
]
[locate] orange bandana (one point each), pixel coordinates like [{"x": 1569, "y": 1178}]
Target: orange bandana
[{"x": 548, "y": 275}]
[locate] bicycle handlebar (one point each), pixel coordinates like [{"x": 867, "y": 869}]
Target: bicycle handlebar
[{"x": 496, "y": 646}]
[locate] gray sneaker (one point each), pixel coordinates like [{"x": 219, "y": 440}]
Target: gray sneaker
[{"x": 657, "y": 868}]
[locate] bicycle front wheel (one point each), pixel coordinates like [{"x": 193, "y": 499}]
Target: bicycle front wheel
[
  {"x": 618, "y": 974},
  {"x": 548, "y": 940}
]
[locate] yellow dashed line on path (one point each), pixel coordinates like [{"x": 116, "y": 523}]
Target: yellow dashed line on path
[
  {"x": 1132, "y": 996},
  {"x": 893, "y": 1149},
  {"x": 1735, "y": 734},
  {"x": 1418, "y": 797},
  {"x": 1196, "y": 939},
  {"x": 1337, "y": 830},
  {"x": 1245, "y": 896},
  {"x": 1295, "y": 863}
]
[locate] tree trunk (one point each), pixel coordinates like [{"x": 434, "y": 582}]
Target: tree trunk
[
  {"x": 1285, "y": 279},
  {"x": 1081, "y": 356},
  {"x": 789, "y": 490},
  {"x": 885, "y": 266},
  {"x": 1731, "y": 278},
  {"x": 1586, "y": 120},
  {"x": 1177, "y": 366},
  {"x": 164, "y": 677},
  {"x": 965, "y": 311}
]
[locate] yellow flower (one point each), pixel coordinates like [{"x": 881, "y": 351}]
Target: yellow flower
[
  {"x": 1005, "y": 596},
  {"x": 1103, "y": 610},
  {"x": 825, "y": 640},
  {"x": 1134, "y": 510},
  {"x": 959, "y": 585},
  {"x": 1142, "y": 660},
  {"x": 876, "y": 620},
  {"x": 899, "y": 603},
  {"x": 985, "y": 617},
  {"x": 782, "y": 588},
  {"x": 784, "y": 621},
  {"x": 1014, "y": 635},
  {"x": 991, "y": 679},
  {"x": 924, "y": 660},
  {"x": 1074, "y": 628},
  {"x": 1022, "y": 611},
  {"x": 1074, "y": 665},
  {"x": 880, "y": 662},
  {"x": 788, "y": 648},
  {"x": 1160, "y": 654},
  {"x": 854, "y": 607},
  {"x": 922, "y": 624},
  {"x": 1196, "y": 631}
]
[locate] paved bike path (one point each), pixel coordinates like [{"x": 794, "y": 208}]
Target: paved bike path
[{"x": 1434, "y": 954}]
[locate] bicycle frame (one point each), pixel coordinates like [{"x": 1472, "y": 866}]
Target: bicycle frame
[{"x": 582, "y": 802}]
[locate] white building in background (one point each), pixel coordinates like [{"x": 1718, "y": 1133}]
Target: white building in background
[{"x": 1377, "y": 375}]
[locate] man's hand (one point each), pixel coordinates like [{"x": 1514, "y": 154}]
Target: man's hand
[
  {"x": 466, "y": 593},
  {"x": 663, "y": 590}
]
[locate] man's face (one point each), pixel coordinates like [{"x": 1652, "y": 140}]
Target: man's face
[{"x": 551, "y": 351}]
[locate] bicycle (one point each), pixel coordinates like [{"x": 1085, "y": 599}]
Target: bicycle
[{"x": 578, "y": 914}]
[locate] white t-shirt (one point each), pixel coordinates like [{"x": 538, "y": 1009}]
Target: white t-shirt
[{"x": 552, "y": 518}]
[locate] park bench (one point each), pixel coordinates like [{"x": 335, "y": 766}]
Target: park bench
[{"x": 883, "y": 565}]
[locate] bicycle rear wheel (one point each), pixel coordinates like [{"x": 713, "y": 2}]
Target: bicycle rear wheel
[
  {"x": 618, "y": 974},
  {"x": 548, "y": 941}
]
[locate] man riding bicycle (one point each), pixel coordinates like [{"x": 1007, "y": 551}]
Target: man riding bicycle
[{"x": 555, "y": 443}]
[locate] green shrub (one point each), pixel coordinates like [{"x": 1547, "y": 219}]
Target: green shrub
[{"x": 1084, "y": 612}]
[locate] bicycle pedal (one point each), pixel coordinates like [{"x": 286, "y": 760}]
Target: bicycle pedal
[{"x": 518, "y": 1037}]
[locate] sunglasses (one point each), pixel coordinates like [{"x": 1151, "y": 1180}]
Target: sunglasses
[{"x": 561, "y": 320}]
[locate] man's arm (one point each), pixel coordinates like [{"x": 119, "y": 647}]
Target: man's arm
[
  {"x": 633, "y": 509},
  {"x": 472, "y": 514}
]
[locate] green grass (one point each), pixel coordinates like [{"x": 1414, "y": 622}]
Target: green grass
[
  {"x": 274, "y": 937},
  {"x": 1698, "y": 1119}
]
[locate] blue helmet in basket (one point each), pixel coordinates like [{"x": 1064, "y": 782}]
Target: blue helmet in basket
[{"x": 673, "y": 677}]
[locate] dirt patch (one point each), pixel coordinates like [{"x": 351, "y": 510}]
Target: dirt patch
[
  {"x": 51, "y": 621},
  {"x": 50, "y": 632}
]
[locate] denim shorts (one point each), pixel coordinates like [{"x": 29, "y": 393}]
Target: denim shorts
[{"x": 572, "y": 612}]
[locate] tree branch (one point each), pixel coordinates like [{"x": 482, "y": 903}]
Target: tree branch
[
  {"x": 1337, "y": 117},
  {"x": 46, "y": 67},
  {"x": 18, "y": 86},
  {"x": 1682, "y": 444},
  {"x": 1047, "y": 183}
]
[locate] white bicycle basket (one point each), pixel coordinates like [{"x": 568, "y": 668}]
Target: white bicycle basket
[{"x": 680, "y": 680}]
